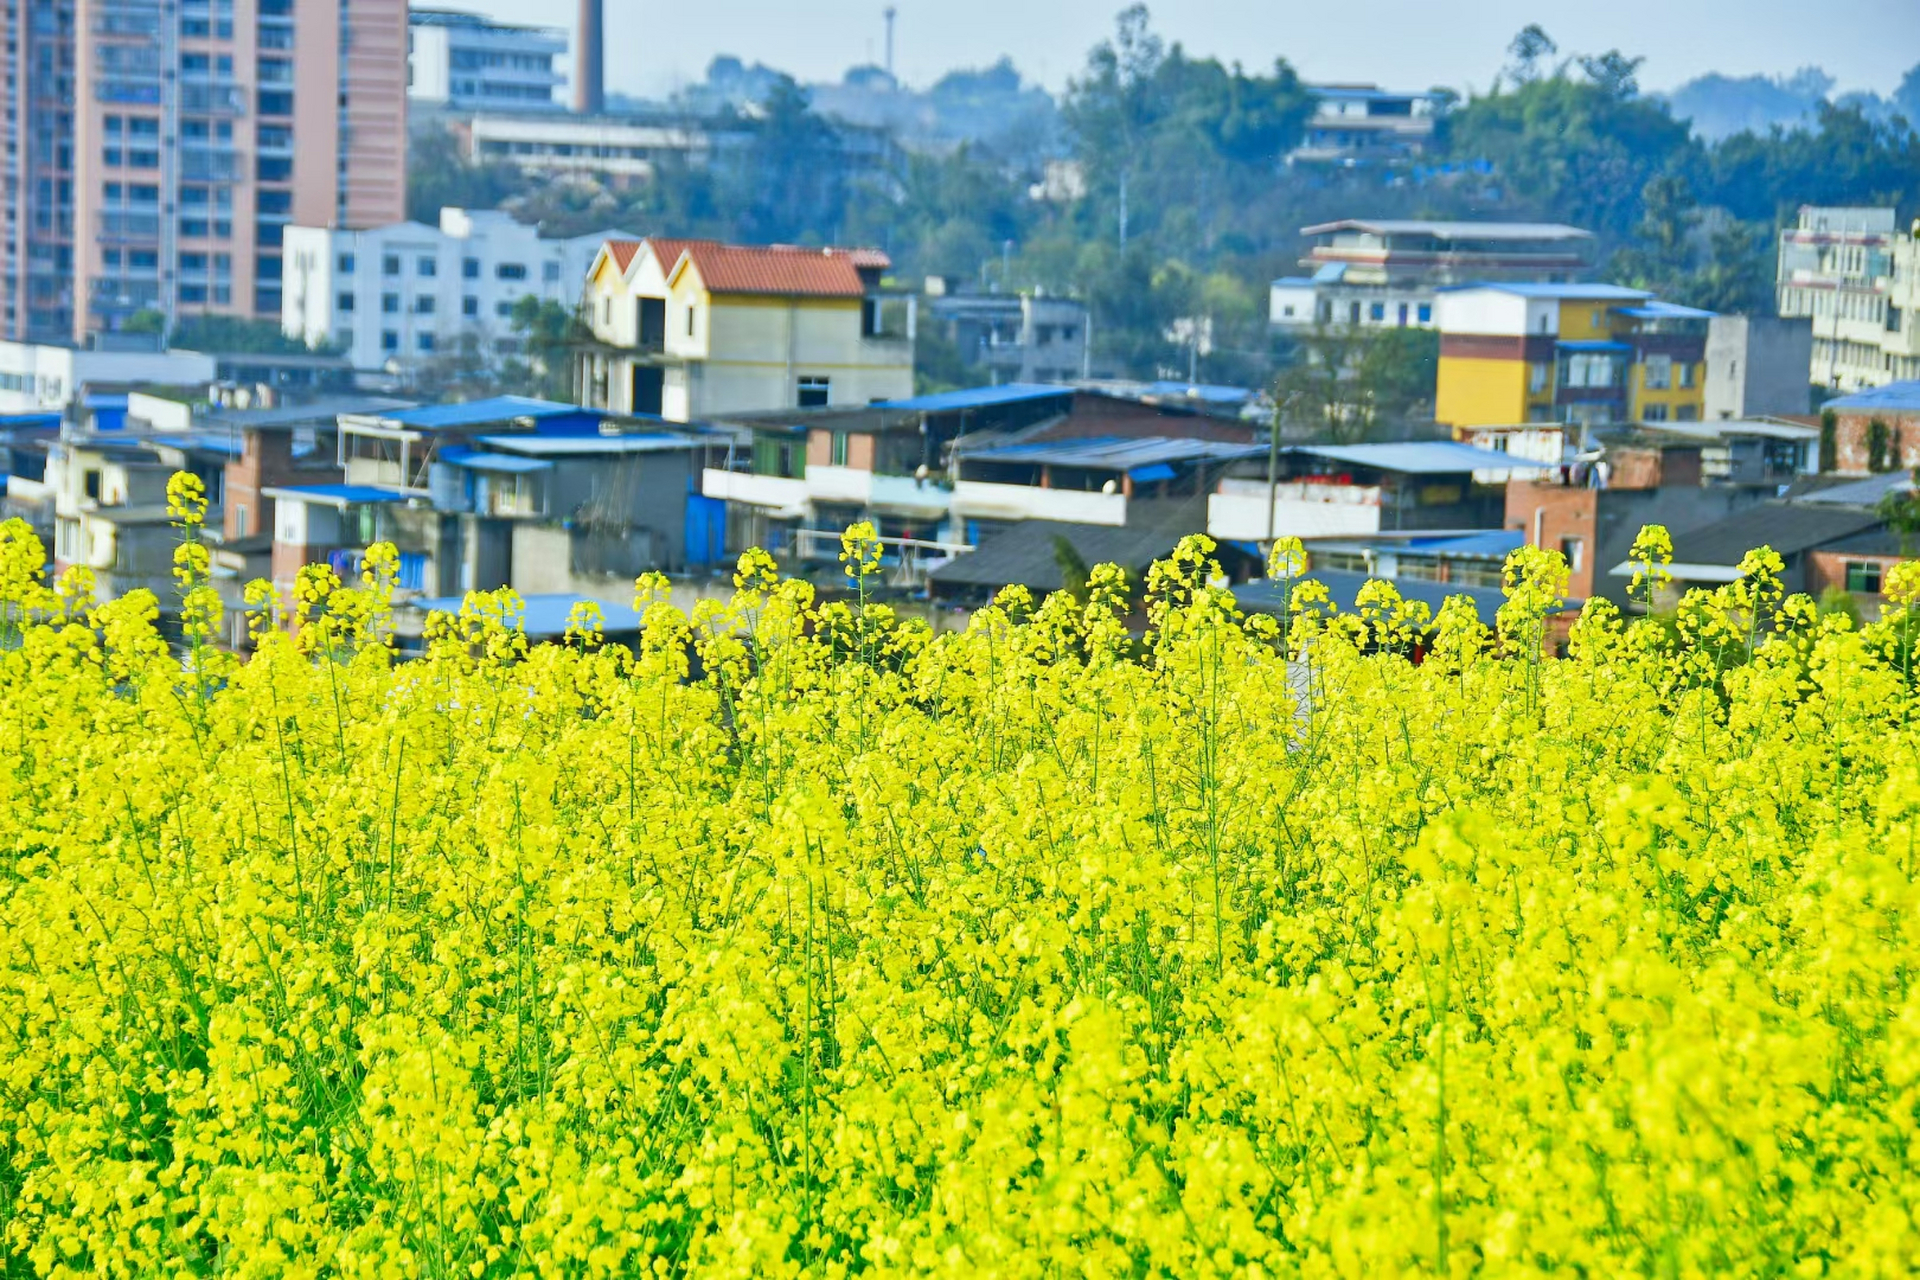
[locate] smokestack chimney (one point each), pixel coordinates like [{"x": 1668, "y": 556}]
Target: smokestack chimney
[
  {"x": 589, "y": 86},
  {"x": 890, "y": 11}
]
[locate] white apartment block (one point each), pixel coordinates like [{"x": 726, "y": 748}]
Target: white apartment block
[
  {"x": 1857, "y": 278},
  {"x": 464, "y": 62},
  {"x": 571, "y": 145},
  {"x": 401, "y": 295}
]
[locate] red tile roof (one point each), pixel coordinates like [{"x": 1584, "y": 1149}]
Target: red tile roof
[
  {"x": 622, "y": 251},
  {"x": 785, "y": 270}
]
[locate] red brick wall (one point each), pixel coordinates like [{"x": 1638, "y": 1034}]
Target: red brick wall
[
  {"x": 1547, "y": 513},
  {"x": 1850, "y": 438},
  {"x": 1829, "y": 569},
  {"x": 1645, "y": 468},
  {"x": 266, "y": 462}
]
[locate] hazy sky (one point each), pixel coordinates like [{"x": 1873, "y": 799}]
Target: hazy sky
[{"x": 653, "y": 46}]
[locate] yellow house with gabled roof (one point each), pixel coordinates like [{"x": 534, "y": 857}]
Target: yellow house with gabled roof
[{"x": 695, "y": 329}]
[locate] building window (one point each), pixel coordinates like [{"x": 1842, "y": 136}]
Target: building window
[
  {"x": 1687, "y": 413},
  {"x": 389, "y": 340},
  {"x": 390, "y": 265},
  {"x": 503, "y": 309},
  {"x": 1653, "y": 413},
  {"x": 469, "y": 306},
  {"x": 690, "y": 314},
  {"x": 390, "y": 304},
  {"x": 813, "y": 393},
  {"x": 1426, "y": 313},
  {"x": 470, "y": 268},
  {"x": 424, "y": 342},
  {"x": 511, "y": 271},
  {"x": 1863, "y": 577},
  {"x": 90, "y": 484},
  {"x": 1575, "y": 550},
  {"x": 839, "y": 450},
  {"x": 427, "y": 266},
  {"x": 239, "y": 521},
  {"x": 423, "y": 305},
  {"x": 1377, "y": 312},
  {"x": 344, "y": 302},
  {"x": 1685, "y": 370},
  {"x": 1537, "y": 374},
  {"x": 550, "y": 272},
  {"x": 1659, "y": 372}
]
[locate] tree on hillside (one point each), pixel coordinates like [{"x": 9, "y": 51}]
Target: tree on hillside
[
  {"x": 1580, "y": 149},
  {"x": 439, "y": 176}
]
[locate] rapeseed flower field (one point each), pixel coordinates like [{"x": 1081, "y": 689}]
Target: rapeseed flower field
[{"x": 804, "y": 942}]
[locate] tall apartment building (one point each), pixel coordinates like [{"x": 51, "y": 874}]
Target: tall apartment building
[
  {"x": 154, "y": 162},
  {"x": 402, "y": 294},
  {"x": 464, "y": 62},
  {"x": 1857, "y": 278}
]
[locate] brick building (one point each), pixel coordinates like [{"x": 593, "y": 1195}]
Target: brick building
[{"x": 1875, "y": 431}]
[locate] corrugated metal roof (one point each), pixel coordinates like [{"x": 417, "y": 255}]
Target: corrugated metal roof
[
  {"x": 1114, "y": 453},
  {"x": 1419, "y": 457},
  {"x": 1787, "y": 527},
  {"x": 314, "y": 411},
  {"x": 479, "y": 413},
  {"x": 1862, "y": 493},
  {"x": 546, "y": 615},
  {"x": 1024, "y": 554},
  {"x": 1658, "y": 310},
  {"x": 1592, "y": 344},
  {"x": 591, "y": 446},
  {"x": 1897, "y": 396},
  {"x": 977, "y": 397},
  {"x": 1573, "y": 292},
  {"x": 1452, "y": 230},
  {"x": 501, "y": 463},
  {"x": 1209, "y": 392},
  {"x": 335, "y": 495}
]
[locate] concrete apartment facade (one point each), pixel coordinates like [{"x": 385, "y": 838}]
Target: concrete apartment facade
[
  {"x": 1011, "y": 337},
  {"x": 1386, "y": 273},
  {"x": 1357, "y": 124},
  {"x": 464, "y": 62},
  {"x": 1755, "y": 364},
  {"x": 1579, "y": 353},
  {"x": 154, "y": 164},
  {"x": 401, "y": 294},
  {"x": 1856, "y": 277},
  {"x": 693, "y": 329}
]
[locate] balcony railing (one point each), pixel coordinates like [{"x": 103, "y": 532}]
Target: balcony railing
[{"x": 119, "y": 226}]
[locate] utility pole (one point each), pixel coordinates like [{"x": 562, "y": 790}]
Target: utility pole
[{"x": 1123, "y": 210}]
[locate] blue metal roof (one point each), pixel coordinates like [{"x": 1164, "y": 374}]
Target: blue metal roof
[
  {"x": 480, "y": 413},
  {"x": 1897, "y": 396},
  {"x": 1593, "y": 344},
  {"x": 338, "y": 494},
  {"x": 1658, "y": 310},
  {"x": 23, "y": 421},
  {"x": 977, "y": 397},
  {"x": 506, "y": 464},
  {"x": 1494, "y": 542},
  {"x": 594, "y": 445},
  {"x": 1419, "y": 457},
  {"x": 1330, "y": 273},
  {"x": 1114, "y": 453},
  {"x": 546, "y": 615}
]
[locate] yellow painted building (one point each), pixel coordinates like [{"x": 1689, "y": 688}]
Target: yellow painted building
[
  {"x": 1580, "y": 353},
  {"x": 692, "y": 329}
]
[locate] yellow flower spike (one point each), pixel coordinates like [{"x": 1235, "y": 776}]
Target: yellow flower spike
[
  {"x": 1287, "y": 559},
  {"x": 860, "y": 550},
  {"x": 186, "y": 499}
]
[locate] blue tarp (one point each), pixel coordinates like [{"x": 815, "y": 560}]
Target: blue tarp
[
  {"x": 480, "y": 413},
  {"x": 1148, "y": 474}
]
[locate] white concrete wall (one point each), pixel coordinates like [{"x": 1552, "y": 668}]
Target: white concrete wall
[
  {"x": 983, "y": 500},
  {"x": 1493, "y": 311},
  {"x": 553, "y": 270},
  {"x": 1238, "y": 511}
]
